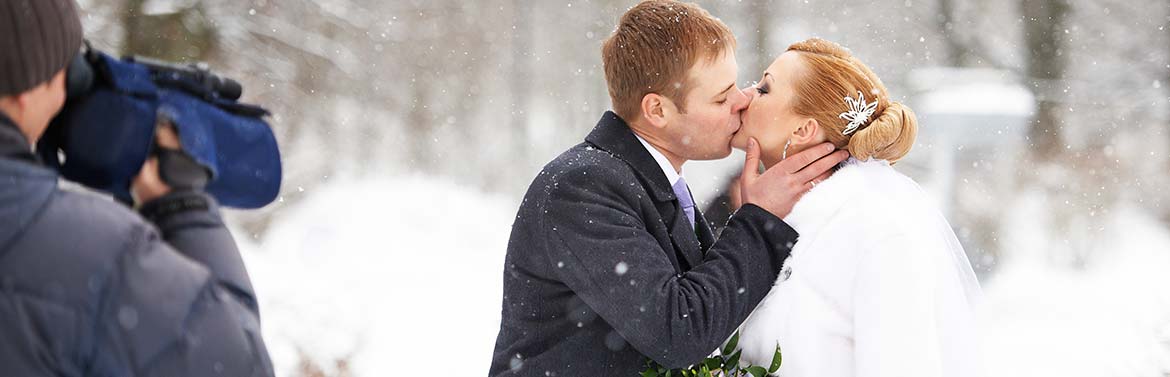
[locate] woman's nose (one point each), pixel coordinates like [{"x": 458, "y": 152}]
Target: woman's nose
[{"x": 749, "y": 94}]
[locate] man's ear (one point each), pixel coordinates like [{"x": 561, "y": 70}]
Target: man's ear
[
  {"x": 807, "y": 132},
  {"x": 23, "y": 100},
  {"x": 655, "y": 109}
]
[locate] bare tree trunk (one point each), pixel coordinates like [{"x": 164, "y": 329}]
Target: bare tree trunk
[
  {"x": 419, "y": 128},
  {"x": 955, "y": 51},
  {"x": 1063, "y": 174},
  {"x": 1044, "y": 24}
]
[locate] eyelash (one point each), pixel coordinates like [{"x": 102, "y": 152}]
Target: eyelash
[{"x": 762, "y": 90}]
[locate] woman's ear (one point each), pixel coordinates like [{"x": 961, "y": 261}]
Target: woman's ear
[
  {"x": 807, "y": 133},
  {"x": 655, "y": 108}
]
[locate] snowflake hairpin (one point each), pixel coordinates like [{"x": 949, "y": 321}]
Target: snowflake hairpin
[{"x": 859, "y": 112}]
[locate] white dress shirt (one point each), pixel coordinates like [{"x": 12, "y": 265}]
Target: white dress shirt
[{"x": 663, "y": 162}]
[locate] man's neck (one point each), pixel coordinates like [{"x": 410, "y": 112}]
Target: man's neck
[
  {"x": 13, "y": 142},
  {"x": 7, "y": 115},
  {"x": 675, "y": 161}
]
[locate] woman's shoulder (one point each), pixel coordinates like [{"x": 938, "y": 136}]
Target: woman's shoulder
[
  {"x": 863, "y": 186},
  {"x": 868, "y": 197}
]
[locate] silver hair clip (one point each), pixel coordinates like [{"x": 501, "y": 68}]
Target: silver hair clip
[{"x": 859, "y": 112}]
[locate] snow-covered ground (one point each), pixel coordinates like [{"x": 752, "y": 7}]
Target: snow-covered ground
[
  {"x": 385, "y": 277},
  {"x": 375, "y": 278},
  {"x": 1111, "y": 318}
]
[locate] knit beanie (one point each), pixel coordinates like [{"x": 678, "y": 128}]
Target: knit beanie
[{"x": 38, "y": 38}]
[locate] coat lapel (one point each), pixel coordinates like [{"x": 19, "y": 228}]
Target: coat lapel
[
  {"x": 685, "y": 239},
  {"x": 613, "y": 135},
  {"x": 703, "y": 231}
]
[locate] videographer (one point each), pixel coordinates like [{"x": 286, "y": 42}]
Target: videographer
[{"x": 87, "y": 286}]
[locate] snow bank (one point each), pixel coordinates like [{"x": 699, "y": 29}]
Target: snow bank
[
  {"x": 1111, "y": 318},
  {"x": 369, "y": 278},
  {"x": 397, "y": 275}
]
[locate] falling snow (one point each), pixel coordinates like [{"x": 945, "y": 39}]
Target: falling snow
[{"x": 410, "y": 131}]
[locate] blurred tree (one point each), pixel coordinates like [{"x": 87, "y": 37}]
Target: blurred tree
[
  {"x": 182, "y": 35},
  {"x": 955, "y": 51},
  {"x": 762, "y": 14},
  {"x": 445, "y": 52},
  {"x": 1046, "y": 62},
  {"x": 520, "y": 77},
  {"x": 1166, "y": 84},
  {"x": 976, "y": 224},
  {"x": 965, "y": 28}
]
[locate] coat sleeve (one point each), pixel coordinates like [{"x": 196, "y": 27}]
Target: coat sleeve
[
  {"x": 894, "y": 317},
  {"x": 604, "y": 253},
  {"x": 183, "y": 305},
  {"x": 190, "y": 223}
]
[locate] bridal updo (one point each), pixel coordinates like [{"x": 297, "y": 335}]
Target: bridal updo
[{"x": 830, "y": 74}]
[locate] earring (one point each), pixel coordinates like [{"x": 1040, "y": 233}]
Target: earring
[{"x": 784, "y": 155}]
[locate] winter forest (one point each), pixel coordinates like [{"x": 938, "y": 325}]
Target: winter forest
[{"x": 410, "y": 129}]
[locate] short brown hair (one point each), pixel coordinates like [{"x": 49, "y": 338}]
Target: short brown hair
[
  {"x": 653, "y": 47},
  {"x": 831, "y": 73}
]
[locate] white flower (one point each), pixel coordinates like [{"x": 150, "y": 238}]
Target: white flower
[{"x": 859, "y": 112}]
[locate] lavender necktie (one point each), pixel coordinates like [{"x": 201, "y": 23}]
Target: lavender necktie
[{"x": 684, "y": 199}]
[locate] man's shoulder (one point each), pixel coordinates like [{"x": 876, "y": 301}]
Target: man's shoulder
[
  {"x": 583, "y": 170},
  {"x": 86, "y": 232},
  {"x": 79, "y": 207},
  {"x": 584, "y": 156},
  {"x": 586, "y": 161},
  {"x": 90, "y": 232},
  {"x": 79, "y": 242}
]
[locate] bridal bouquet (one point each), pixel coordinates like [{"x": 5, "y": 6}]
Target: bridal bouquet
[{"x": 725, "y": 364}]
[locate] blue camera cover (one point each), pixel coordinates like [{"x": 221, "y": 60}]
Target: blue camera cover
[{"x": 106, "y": 135}]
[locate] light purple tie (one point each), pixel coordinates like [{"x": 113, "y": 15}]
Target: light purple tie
[{"x": 684, "y": 200}]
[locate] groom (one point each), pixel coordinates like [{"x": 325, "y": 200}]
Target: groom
[{"x": 610, "y": 262}]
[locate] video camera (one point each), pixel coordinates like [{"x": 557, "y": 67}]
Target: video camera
[{"x": 106, "y": 130}]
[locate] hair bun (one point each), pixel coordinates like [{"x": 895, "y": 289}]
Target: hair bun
[{"x": 889, "y": 137}]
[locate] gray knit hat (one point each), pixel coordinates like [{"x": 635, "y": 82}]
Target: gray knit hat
[{"x": 37, "y": 39}]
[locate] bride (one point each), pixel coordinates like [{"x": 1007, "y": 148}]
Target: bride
[{"x": 877, "y": 285}]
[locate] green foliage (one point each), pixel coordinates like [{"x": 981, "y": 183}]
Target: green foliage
[{"x": 725, "y": 364}]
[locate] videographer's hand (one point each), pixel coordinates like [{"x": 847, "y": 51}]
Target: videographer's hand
[
  {"x": 779, "y": 188},
  {"x": 148, "y": 185},
  {"x": 168, "y": 169}
]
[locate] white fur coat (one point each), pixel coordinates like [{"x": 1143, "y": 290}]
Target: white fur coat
[{"x": 877, "y": 285}]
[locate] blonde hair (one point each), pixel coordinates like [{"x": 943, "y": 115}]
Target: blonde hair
[
  {"x": 831, "y": 74},
  {"x": 653, "y": 47}
]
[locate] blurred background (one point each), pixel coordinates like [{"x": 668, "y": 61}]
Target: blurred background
[{"x": 411, "y": 128}]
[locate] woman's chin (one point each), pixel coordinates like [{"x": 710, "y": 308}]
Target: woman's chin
[{"x": 739, "y": 141}]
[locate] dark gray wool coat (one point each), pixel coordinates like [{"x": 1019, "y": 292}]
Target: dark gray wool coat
[{"x": 603, "y": 271}]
